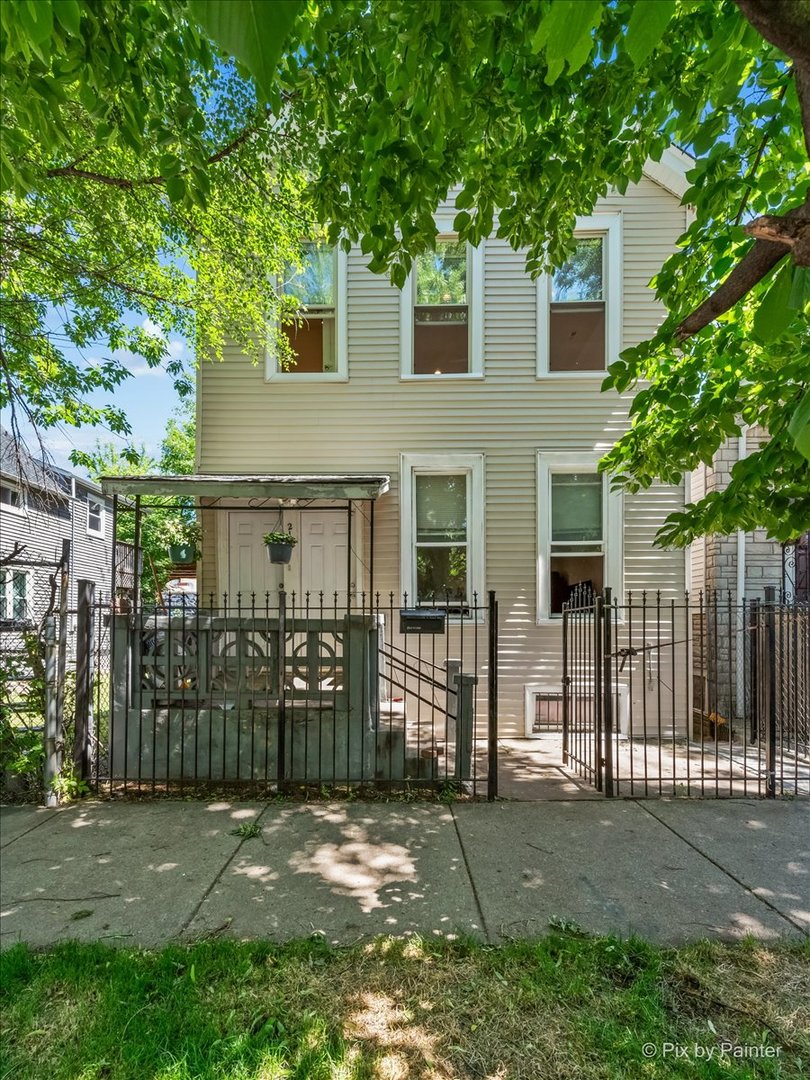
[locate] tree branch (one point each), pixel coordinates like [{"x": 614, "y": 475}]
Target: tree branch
[
  {"x": 72, "y": 172},
  {"x": 784, "y": 23},
  {"x": 752, "y": 268},
  {"x": 793, "y": 233},
  {"x": 12, "y": 555}
]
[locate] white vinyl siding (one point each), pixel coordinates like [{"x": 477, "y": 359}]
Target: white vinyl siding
[{"x": 370, "y": 421}]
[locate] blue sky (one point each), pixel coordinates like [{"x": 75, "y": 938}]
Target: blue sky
[{"x": 147, "y": 397}]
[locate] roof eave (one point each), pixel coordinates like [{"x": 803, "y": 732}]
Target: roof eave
[{"x": 343, "y": 487}]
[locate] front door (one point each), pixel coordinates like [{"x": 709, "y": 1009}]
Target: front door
[{"x": 320, "y": 561}]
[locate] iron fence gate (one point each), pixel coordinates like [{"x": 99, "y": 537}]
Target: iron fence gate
[
  {"x": 277, "y": 692},
  {"x": 687, "y": 696}
]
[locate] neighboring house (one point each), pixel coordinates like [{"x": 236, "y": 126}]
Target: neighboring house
[
  {"x": 473, "y": 396},
  {"x": 746, "y": 564},
  {"x": 40, "y": 506}
]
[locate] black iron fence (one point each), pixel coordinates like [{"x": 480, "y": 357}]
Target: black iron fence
[
  {"x": 277, "y": 692},
  {"x": 796, "y": 570},
  {"x": 691, "y": 696}
]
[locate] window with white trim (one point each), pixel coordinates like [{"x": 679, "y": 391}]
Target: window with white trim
[
  {"x": 579, "y": 532},
  {"x": 315, "y": 298},
  {"x": 442, "y": 528},
  {"x": 441, "y": 314},
  {"x": 95, "y": 516},
  {"x": 579, "y": 304},
  {"x": 13, "y": 595},
  {"x": 12, "y": 498}
]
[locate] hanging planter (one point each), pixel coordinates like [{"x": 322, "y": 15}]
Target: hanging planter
[
  {"x": 183, "y": 539},
  {"x": 280, "y": 546},
  {"x": 182, "y": 554}
]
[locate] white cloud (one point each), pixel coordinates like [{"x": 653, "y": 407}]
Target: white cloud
[
  {"x": 138, "y": 371},
  {"x": 174, "y": 346},
  {"x": 151, "y": 328}
]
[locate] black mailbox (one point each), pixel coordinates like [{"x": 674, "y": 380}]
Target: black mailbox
[{"x": 421, "y": 621}]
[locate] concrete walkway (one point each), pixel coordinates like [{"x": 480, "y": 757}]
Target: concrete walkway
[{"x": 152, "y": 873}]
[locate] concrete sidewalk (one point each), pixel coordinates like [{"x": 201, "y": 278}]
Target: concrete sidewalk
[{"x": 152, "y": 873}]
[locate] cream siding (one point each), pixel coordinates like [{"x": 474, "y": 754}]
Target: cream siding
[{"x": 248, "y": 424}]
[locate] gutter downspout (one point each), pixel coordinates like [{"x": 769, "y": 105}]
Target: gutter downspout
[{"x": 742, "y": 453}]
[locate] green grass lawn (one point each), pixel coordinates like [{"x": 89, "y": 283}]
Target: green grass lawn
[{"x": 568, "y": 1006}]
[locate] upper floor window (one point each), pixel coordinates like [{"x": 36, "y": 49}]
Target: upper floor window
[
  {"x": 11, "y": 498},
  {"x": 579, "y": 531},
  {"x": 317, "y": 334},
  {"x": 95, "y": 516},
  {"x": 49, "y": 503},
  {"x": 579, "y": 304},
  {"x": 441, "y": 312},
  {"x": 442, "y": 528}
]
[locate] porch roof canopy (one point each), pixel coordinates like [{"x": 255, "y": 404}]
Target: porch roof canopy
[{"x": 272, "y": 486}]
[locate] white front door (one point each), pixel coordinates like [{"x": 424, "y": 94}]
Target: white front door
[
  {"x": 322, "y": 557},
  {"x": 320, "y": 561},
  {"x": 249, "y": 569}
]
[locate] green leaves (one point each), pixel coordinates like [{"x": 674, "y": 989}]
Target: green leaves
[
  {"x": 648, "y": 21},
  {"x": 69, "y": 14},
  {"x": 565, "y": 35},
  {"x": 799, "y": 427},
  {"x": 252, "y": 31},
  {"x": 774, "y": 313}
]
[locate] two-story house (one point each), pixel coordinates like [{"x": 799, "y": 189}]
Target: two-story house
[
  {"x": 470, "y": 402},
  {"x": 42, "y": 505}
]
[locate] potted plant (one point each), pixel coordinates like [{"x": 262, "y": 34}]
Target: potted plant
[
  {"x": 183, "y": 539},
  {"x": 280, "y": 546}
]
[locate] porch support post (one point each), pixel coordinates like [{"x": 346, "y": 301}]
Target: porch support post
[
  {"x": 281, "y": 742},
  {"x": 113, "y": 568},
  {"x": 349, "y": 553},
  {"x": 136, "y": 584},
  {"x": 371, "y": 553}
]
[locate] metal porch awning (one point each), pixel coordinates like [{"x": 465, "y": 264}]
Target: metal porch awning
[{"x": 272, "y": 486}]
